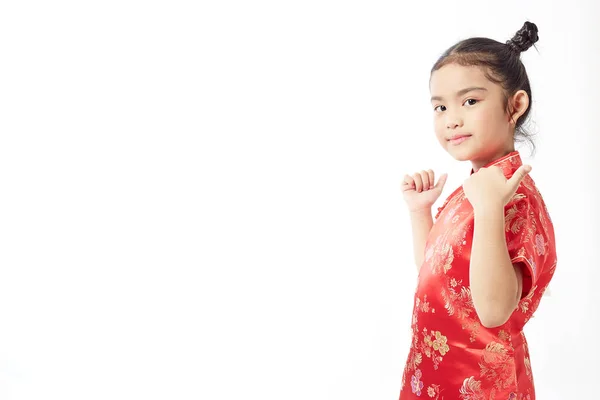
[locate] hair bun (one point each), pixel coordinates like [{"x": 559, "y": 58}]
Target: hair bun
[{"x": 524, "y": 38}]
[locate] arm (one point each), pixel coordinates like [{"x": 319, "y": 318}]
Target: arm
[
  {"x": 421, "y": 221},
  {"x": 496, "y": 283}
]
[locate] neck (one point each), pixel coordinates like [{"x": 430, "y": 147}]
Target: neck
[{"x": 478, "y": 163}]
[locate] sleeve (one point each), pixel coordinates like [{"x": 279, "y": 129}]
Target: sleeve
[{"x": 526, "y": 238}]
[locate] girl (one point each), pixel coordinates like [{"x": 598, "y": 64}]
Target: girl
[{"x": 488, "y": 258}]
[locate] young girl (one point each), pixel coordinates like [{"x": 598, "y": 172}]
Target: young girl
[{"x": 488, "y": 258}]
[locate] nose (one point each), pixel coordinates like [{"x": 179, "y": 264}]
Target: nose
[{"x": 453, "y": 121}]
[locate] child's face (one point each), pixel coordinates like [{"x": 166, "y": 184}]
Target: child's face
[{"x": 479, "y": 113}]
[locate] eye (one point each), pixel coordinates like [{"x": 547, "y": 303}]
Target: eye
[
  {"x": 473, "y": 100},
  {"x": 439, "y": 106}
]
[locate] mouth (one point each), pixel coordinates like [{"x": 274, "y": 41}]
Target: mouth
[{"x": 458, "y": 139}]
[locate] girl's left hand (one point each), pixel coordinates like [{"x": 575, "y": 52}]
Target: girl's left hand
[{"x": 488, "y": 186}]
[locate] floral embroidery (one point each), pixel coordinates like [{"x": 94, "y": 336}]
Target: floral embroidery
[
  {"x": 552, "y": 268},
  {"x": 416, "y": 384},
  {"x": 526, "y": 301},
  {"x": 443, "y": 256},
  {"x": 414, "y": 360},
  {"x": 434, "y": 390},
  {"x": 471, "y": 389},
  {"x": 527, "y": 367},
  {"x": 423, "y": 305},
  {"x": 514, "y": 396},
  {"x": 496, "y": 365},
  {"x": 461, "y": 303},
  {"x": 540, "y": 245},
  {"x": 432, "y": 342},
  {"x": 472, "y": 327},
  {"x": 515, "y": 227},
  {"x": 526, "y": 359},
  {"x": 440, "y": 343},
  {"x": 514, "y": 221}
]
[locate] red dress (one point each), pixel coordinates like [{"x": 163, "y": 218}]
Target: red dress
[{"x": 452, "y": 355}]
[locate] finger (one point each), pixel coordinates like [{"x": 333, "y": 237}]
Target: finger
[
  {"x": 442, "y": 181},
  {"x": 409, "y": 182},
  {"x": 518, "y": 176},
  {"x": 425, "y": 178},
  {"x": 418, "y": 182},
  {"x": 431, "y": 178}
]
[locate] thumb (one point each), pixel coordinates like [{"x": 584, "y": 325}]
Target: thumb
[
  {"x": 441, "y": 182},
  {"x": 518, "y": 176}
]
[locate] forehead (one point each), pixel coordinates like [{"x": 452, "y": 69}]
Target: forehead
[{"x": 453, "y": 77}]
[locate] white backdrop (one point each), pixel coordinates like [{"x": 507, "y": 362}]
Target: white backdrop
[{"x": 203, "y": 201}]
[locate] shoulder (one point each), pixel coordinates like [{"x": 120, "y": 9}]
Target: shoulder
[
  {"x": 528, "y": 199},
  {"x": 527, "y": 194}
]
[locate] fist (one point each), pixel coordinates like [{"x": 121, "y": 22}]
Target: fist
[
  {"x": 488, "y": 187},
  {"x": 420, "y": 190}
]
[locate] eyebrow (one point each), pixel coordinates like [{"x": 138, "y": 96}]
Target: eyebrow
[{"x": 461, "y": 92}]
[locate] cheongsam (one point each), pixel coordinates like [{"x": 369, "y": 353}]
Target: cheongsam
[{"x": 452, "y": 355}]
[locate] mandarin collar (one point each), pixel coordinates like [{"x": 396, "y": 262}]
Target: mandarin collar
[{"x": 509, "y": 163}]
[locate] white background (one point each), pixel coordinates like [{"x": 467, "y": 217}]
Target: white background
[{"x": 203, "y": 201}]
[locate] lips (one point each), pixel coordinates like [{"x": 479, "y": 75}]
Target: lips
[
  {"x": 458, "y": 136},
  {"x": 459, "y": 139}
]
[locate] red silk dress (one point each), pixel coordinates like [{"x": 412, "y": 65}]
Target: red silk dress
[{"x": 452, "y": 355}]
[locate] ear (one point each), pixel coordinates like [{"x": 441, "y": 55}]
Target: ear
[{"x": 518, "y": 104}]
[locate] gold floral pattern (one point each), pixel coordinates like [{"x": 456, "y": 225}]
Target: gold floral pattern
[
  {"x": 457, "y": 302},
  {"x": 471, "y": 389},
  {"x": 443, "y": 256},
  {"x": 423, "y": 305},
  {"x": 496, "y": 366},
  {"x": 433, "y": 342},
  {"x": 434, "y": 391},
  {"x": 525, "y": 302}
]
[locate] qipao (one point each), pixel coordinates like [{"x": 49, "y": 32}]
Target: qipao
[{"x": 452, "y": 355}]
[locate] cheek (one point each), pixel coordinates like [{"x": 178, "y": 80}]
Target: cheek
[
  {"x": 438, "y": 127},
  {"x": 486, "y": 119},
  {"x": 440, "y": 131}
]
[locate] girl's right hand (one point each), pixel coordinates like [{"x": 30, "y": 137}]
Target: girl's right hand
[{"x": 419, "y": 190}]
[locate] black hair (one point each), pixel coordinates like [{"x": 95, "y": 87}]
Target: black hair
[{"x": 501, "y": 64}]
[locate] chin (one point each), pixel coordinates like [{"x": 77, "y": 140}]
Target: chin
[{"x": 458, "y": 154}]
